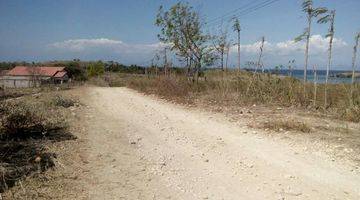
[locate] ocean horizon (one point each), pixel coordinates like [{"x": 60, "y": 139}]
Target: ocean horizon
[{"x": 321, "y": 75}]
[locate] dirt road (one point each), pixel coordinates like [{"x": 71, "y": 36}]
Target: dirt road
[{"x": 141, "y": 147}]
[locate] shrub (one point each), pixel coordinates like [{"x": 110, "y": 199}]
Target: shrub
[
  {"x": 75, "y": 71},
  {"x": 61, "y": 101},
  {"x": 96, "y": 69},
  {"x": 288, "y": 125}
]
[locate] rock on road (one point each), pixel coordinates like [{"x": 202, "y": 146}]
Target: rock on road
[{"x": 142, "y": 147}]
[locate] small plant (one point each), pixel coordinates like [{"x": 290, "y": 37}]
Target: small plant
[
  {"x": 61, "y": 101},
  {"x": 287, "y": 125}
]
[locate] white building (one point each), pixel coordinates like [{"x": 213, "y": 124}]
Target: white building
[{"x": 33, "y": 76}]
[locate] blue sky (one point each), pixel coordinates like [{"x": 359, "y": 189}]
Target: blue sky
[{"x": 124, "y": 30}]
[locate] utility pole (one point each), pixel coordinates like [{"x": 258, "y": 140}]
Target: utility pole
[
  {"x": 239, "y": 50},
  {"x": 237, "y": 28},
  {"x": 259, "y": 64}
]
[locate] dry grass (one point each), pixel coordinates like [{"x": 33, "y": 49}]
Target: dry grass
[
  {"x": 286, "y": 125},
  {"x": 245, "y": 88},
  {"x": 27, "y": 125}
]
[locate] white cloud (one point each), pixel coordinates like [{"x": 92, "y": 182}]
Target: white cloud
[
  {"x": 101, "y": 44},
  {"x": 274, "y": 53},
  {"x": 83, "y": 44},
  {"x": 318, "y": 45}
]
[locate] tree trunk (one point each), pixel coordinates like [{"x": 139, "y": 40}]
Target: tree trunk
[
  {"x": 315, "y": 84},
  {"x": 327, "y": 71},
  {"x": 353, "y": 66},
  {"x": 329, "y": 57},
  {"x": 165, "y": 62},
  {"x": 222, "y": 60},
  {"x": 198, "y": 66},
  {"x": 307, "y": 53},
  {"x": 239, "y": 50},
  {"x": 227, "y": 58}
]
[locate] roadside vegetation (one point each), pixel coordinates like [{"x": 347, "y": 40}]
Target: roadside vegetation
[
  {"x": 244, "y": 89},
  {"x": 28, "y": 125}
]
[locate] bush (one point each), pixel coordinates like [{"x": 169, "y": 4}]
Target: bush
[
  {"x": 96, "y": 69},
  {"x": 63, "y": 102},
  {"x": 75, "y": 71}
]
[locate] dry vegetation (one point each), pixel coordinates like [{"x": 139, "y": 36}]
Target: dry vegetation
[
  {"x": 286, "y": 125},
  {"x": 246, "y": 88},
  {"x": 27, "y": 125}
]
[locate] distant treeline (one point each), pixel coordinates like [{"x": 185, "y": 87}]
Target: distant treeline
[{"x": 82, "y": 70}]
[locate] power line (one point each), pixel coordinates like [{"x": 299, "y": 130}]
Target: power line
[
  {"x": 231, "y": 12},
  {"x": 249, "y": 10},
  {"x": 257, "y": 8},
  {"x": 245, "y": 11}
]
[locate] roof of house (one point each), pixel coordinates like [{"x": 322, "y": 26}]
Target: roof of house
[
  {"x": 60, "y": 74},
  {"x": 28, "y": 71}
]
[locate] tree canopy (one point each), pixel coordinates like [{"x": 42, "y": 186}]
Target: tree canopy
[{"x": 181, "y": 29}]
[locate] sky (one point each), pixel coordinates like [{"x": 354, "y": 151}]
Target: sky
[{"x": 124, "y": 30}]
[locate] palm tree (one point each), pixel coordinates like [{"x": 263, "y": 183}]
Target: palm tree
[
  {"x": 311, "y": 12},
  {"x": 328, "y": 18},
  {"x": 357, "y": 37},
  {"x": 237, "y": 28}
]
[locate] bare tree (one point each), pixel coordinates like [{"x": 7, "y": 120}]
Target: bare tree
[
  {"x": 227, "y": 51},
  {"x": 257, "y": 65},
  {"x": 331, "y": 19},
  {"x": 220, "y": 44},
  {"x": 237, "y": 29},
  {"x": 35, "y": 76},
  {"x": 166, "y": 63},
  {"x": 154, "y": 62}
]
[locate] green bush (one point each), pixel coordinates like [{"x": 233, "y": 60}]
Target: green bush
[
  {"x": 96, "y": 69},
  {"x": 75, "y": 71}
]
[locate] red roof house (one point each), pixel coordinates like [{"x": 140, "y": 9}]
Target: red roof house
[
  {"x": 30, "y": 76},
  {"x": 30, "y": 71}
]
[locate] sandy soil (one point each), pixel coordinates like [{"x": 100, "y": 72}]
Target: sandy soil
[{"x": 140, "y": 147}]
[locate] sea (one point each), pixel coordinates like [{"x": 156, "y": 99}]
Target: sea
[{"x": 321, "y": 75}]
